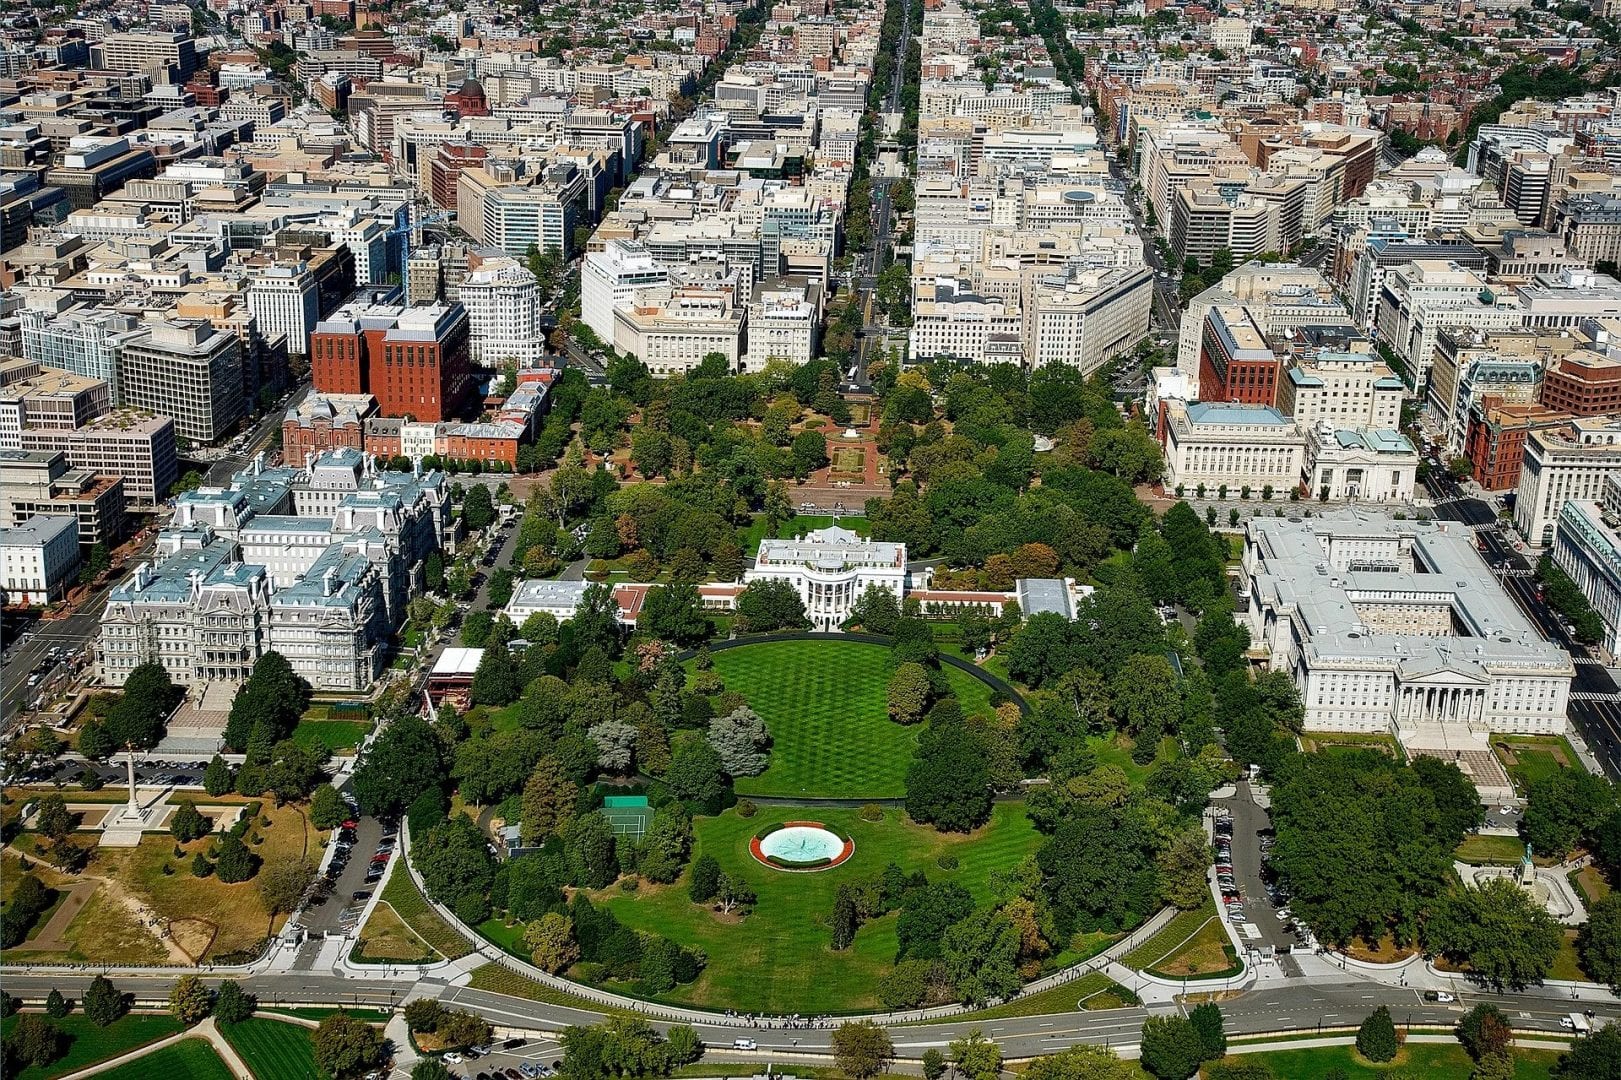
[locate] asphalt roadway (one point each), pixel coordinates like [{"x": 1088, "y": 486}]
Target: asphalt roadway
[
  {"x": 1596, "y": 714},
  {"x": 1293, "y": 1006}
]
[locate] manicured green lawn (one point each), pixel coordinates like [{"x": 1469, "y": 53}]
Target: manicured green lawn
[
  {"x": 778, "y": 960},
  {"x": 274, "y": 1049},
  {"x": 1433, "y": 1061},
  {"x": 1108, "y": 750},
  {"x": 1534, "y": 765},
  {"x": 1171, "y": 937},
  {"x": 749, "y": 537},
  {"x": 498, "y": 980},
  {"x": 189, "y": 1059},
  {"x": 1080, "y": 993},
  {"x": 89, "y": 1044},
  {"x": 1480, "y": 849},
  {"x": 335, "y": 735},
  {"x": 1535, "y": 757},
  {"x": 826, "y": 704},
  {"x": 409, "y": 904}
]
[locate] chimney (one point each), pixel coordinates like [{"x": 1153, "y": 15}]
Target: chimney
[{"x": 329, "y": 581}]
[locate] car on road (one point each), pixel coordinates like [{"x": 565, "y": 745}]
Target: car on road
[
  {"x": 1506, "y": 810},
  {"x": 1439, "y": 997},
  {"x": 453, "y": 1058}
]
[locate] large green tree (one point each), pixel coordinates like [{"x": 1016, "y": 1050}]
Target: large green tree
[
  {"x": 274, "y": 697},
  {"x": 1361, "y": 843},
  {"x": 403, "y": 762},
  {"x": 138, "y": 718},
  {"x": 1502, "y": 932},
  {"x": 1600, "y": 940},
  {"x": 948, "y": 784},
  {"x": 1171, "y": 1047},
  {"x": 862, "y": 1049},
  {"x": 675, "y": 612},
  {"x": 346, "y": 1046}
]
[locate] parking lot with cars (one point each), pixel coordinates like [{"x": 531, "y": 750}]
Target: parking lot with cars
[
  {"x": 1255, "y": 901},
  {"x": 364, "y": 847},
  {"x": 509, "y": 1059}
]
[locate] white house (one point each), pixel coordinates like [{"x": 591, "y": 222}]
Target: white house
[{"x": 830, "y": 569}]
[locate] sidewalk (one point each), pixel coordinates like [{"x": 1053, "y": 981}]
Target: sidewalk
[{"x": 207, "y": 1031}]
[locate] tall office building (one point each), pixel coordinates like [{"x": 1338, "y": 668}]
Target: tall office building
[
  {"x": 286, "y": 301},
  {"x": 143, "y": 50},
  {"x": 610, "y": 277},
  {"x": 503, "y": 310},
  {"x": 81, "y": 341},
  {"x": 187, "y": 370}
]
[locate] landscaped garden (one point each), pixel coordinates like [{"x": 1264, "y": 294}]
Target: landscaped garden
[
  {"x": 777, "y": 959},
  {"x": 825, "y": 704},
  {"x": 88, "y": 1043}
]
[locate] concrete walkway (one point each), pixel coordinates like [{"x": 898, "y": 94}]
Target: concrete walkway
[
  {"x": 206, "y": 1031},
  {"x": 49, "y": 938}
]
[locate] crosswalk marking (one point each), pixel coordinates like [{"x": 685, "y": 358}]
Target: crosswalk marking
[{"x": 1590, "y": 695}]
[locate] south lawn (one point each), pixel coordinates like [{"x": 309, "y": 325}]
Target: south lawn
[
  {"x": 778, "y": 959},
  {"x": 826, "y": 705},
  {"x": 274, "y": 1049}
]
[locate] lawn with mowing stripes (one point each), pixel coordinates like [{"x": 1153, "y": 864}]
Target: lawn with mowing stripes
[
  {"x": 274, "y": 1049},
  {"x": 1171, "y": 937},
  {"x": 409, "y": 904},
  {"x": 826, "y": 705},
  {"x": 188, "y": 1059},
  {"x": 88, "y": 1044},
  {"x": 333, "y": 735},
  {"x": 778, "y": 959}
]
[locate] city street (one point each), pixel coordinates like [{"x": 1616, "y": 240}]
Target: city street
[{"x": 1595, "y": 703}]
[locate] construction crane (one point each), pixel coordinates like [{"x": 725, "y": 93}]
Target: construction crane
[{"x": 406, "y": 231}]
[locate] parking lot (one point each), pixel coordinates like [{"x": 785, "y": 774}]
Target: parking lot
[
  {"x": 511, "y": 1059},
  {"x": 353, "y": 873},
  {"x": 1255, "y": 903}
]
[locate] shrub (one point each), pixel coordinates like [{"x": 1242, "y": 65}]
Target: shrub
[
  {"x": 1376, "y": 1039},
  {"x": 947, "y": 862},
  {"x": 872, "y": 812},
  {"x": 746, "y": 809}
]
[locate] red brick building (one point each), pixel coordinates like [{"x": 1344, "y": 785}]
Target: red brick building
[
  {"x": 468, "y": 99},
  {"x": 1584, "y": 384},
  {"x": 326, "y": 422},
  {"x": 1235, "y": 362},
  {"x": 1494, "y": 441},
  {"x": 421, "y": 369},
  {"x": 446, "y": 165},
  {"x": 414, "y": 361}
]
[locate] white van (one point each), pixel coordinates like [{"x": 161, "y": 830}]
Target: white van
[{"x": 744, "y": 1044}]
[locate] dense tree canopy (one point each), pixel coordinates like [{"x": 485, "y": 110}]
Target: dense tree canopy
[{"x": 1362, "y": 844}]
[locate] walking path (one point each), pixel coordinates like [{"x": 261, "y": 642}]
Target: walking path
[
  {"x": 207, "y": 1030},
  {"x": 49, "y": 938}
]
